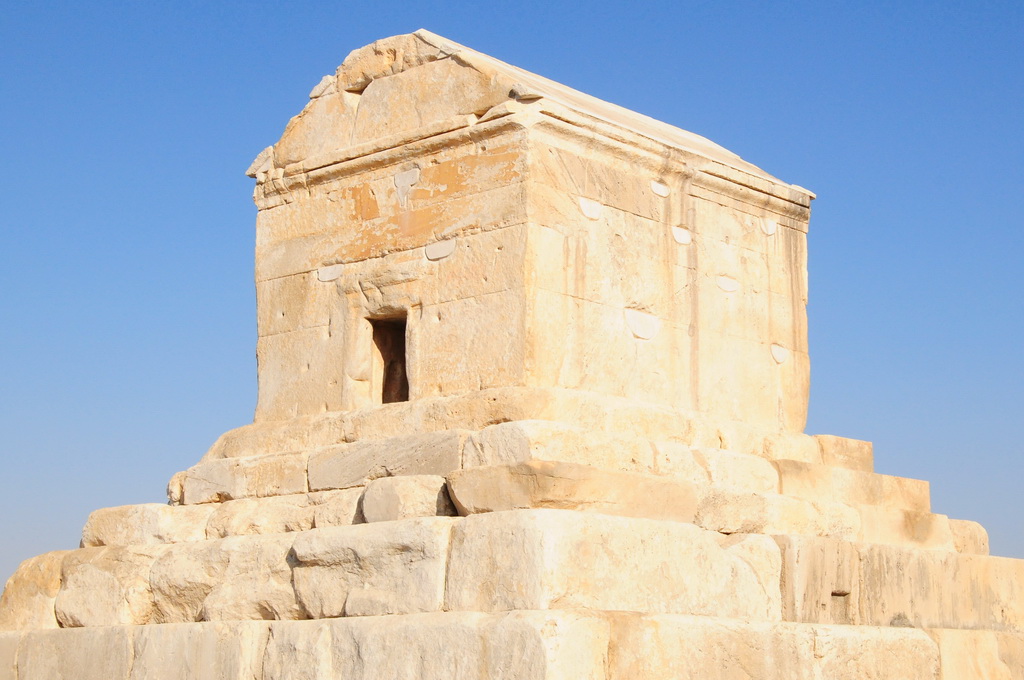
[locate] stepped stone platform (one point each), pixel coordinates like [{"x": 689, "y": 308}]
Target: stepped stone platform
[{"x": 533, "y": 380}]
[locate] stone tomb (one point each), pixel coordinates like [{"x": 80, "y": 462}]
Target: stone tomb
[{"x": 533, "y": 379}]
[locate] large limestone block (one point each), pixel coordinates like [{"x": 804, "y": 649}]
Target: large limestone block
[
  {"x": 893, "y": 526},
  {"x": 451, "y": 645},
  {"x": 969, "y": 537},
  {"x": 664, "y": 646},
  {"x": 103, "y": 653},
  {"x": 342, "y": 507},
  {"x": 192, "y": 651},
  {"x": 271, "y": 515},
  {"x": 349, "y": 465},
  {"x": 392, "y": 498},
  {"x": 524, "y": 440},
  {"x": 973, "y": 655},
  {"x": 848, "y": 453},
  {"x": 824, "y": 482},
  {"x": 731, "y": 512},
  {"x": 239, "y": 577},
  {"x": 145, "y": 524},
  {"x": 832, "y": 581},
  {"x": 107, "y": 586},
  {"x": 569, "y": 486},
  {"x": 373, "y": 569},
  {"x": 28, "y": 598},
  {"x": 9, "y": 655},
  {"x": 254, "y": 477},
  {"x": 559, "y": 559}
]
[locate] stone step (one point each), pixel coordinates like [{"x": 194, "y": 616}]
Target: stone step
[
  {"x": 828, "y": 580},
  {"x": 382, "y": 499},
  {"x": 520, "y": 645},
  {"x": 348, "y": 465},
  {"x": 521, "y": 559},
  {"x": 817, "y": 482}
]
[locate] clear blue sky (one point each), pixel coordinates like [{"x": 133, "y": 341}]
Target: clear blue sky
[{"x": 128, "y": 324}]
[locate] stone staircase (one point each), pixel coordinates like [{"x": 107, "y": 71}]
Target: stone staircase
[{"x": 461, "y": 547}]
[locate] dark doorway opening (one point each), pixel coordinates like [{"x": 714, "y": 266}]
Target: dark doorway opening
[{"x": 391, "y": 379}]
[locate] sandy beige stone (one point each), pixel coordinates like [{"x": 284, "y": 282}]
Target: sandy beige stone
[
  {"x": 145, "y": 524},
  {"x": 349, "y": 465},
  {"x": 830, "y": 581},
  {"x": 972, "y": 655},
  {"x": 224, "y": 650},
  {"x": 102, "y": 653},
  {"x": 391, "y": 498},
  {"x": 106, "y": 586},
  {"x": 9, "y": 655},
  {"x": 272, "y": 515},
  {"x": 458, "y": 645},
  {"x": 373, "y": 569},
  {"x": 341, "y": 507},
  {"x": 827, "y": 483},
  {"x": 28, "y": 599},
  {"x": 912, "y": 528},
  {"x": 661, "y": 646},
  {"x": 558, "y": 559},
  {"x": 525, "y": 440},
  {"x": 569, "y": 486},
  {"x": 969, "y": 537},
  {"x": 731, "y": 512},
  {"x": 255, "y": 477},
  {"x": 848, "y": 453},
  {"x": 239, "y": 577}
]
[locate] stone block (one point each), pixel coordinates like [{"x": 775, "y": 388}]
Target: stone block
[
  {"x": 660, "y": 647},
  {"x": 106, "y": 586},
  {"x": 791, "y": 446},
  {"x": 569, "y": 486},
  {"x": 391, "y": 498},
  {"x": 911, "y": 528},
  {"x": 349, "y": 465},
  {"x": 101, "y": 653},
  {"x": 853, "y": 454},
  {"x": 341, "y": 507},
  {"x": 524, "y": 440},
  {"x": 830, "y": 581},
  {"x": 253, "y": 477},
  {"x": 738, "y": 471},
  {"x": 373, "y": 569},
  {"x": 150, "y": 523},
  {"x": 187, "y": 651},
  {"x": 558, "y": 559},
  {"x": 820, "y": 580},
  {"x": 826, "y": 483},
  {"x": 732, "y": 512},
  {"x": 28, "y": 599},
  {"x": 969, "y": 537},
  {"x": 972, "y": 655},
  {"x": 9, "y": 655},
  {"x": 458, "y": 645},
  {"x": 239, "y": 577},
  {"x": 271, "y": 515}
]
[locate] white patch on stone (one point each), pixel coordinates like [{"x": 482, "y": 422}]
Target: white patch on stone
[
  {"x": 682, "y": 235},
  {"x": 769, "y": 226},
  {"x": 438, "y": 250},
  {"x": 404, "y": 182},
  {"x": 643, "y": 325},
  {"x": 590, "y": 208},
  {"x": 660, "y": 188},
  {"x": 728, "y": 284},
  {"x": 779, "y": 353},
  {"x": 330, "y": 273}
]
